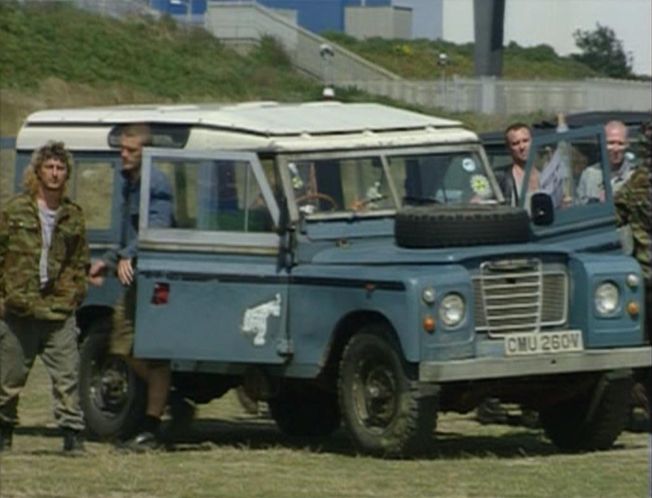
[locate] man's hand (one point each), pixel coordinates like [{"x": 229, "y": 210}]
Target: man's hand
[
  {"x": 125, "y": 271},
  {"x": 96, "y": 273}
]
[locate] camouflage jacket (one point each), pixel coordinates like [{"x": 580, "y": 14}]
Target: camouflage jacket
[
  {"x": 20, "y": 252},
  {"x": 633, "y": 208}
]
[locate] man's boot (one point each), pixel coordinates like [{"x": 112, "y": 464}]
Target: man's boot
[
  {"x": 73, "y": 441},
  {"x": 6, "y": 436}
]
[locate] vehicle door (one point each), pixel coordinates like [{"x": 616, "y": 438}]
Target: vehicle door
[
  {"x": 210, "y": 287},
  {"x": 572, "y": 169}
]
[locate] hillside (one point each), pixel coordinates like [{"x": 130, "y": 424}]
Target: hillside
[
  {"x": 55, "y": 55},
  {"x": 417, "y": 59}
]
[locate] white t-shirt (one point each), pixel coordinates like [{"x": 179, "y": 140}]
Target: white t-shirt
[{"x": 48, "y": 219}]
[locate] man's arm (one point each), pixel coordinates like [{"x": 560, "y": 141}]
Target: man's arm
[{"x": 160, "y": 215}]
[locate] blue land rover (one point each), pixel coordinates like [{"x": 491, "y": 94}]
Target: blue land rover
[{"x": 356, "y": 264}]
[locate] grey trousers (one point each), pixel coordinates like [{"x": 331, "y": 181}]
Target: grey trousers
[{"x": 21, "y": 340}]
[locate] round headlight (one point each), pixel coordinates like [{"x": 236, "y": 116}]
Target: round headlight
[
  {"x": 452, "y": 309},
  {"x": 607, "y": 297}
]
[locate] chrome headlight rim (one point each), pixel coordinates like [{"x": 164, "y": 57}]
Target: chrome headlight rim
[
  {"x": 606, "y": 298},
  {"x": 452, "y": 310}
]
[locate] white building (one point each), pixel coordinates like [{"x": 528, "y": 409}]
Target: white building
[{"x": 550, "y": 22}]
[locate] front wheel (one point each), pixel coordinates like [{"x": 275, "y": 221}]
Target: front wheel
[
  {"x": 112, "y": 397},
  {"x": 592, "y": 420},
  {"x": 383, "y": 410}
]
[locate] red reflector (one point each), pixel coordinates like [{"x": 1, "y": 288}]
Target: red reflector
[{"x": 161, "y": 293}]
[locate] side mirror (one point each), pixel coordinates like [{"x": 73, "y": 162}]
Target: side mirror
[{"x": 542, "y": 210}]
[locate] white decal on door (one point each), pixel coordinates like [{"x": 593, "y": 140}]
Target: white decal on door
[{"x": 254, "y": 321}]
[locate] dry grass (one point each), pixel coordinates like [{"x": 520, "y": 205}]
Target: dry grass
[{"x": 230, "y": 454}]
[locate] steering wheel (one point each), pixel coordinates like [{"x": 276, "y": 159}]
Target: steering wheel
[
  {"x": 304, "y": 199},
  {"x": 363, "y": 204}
]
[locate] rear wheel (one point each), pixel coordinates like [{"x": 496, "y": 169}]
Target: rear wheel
[
  {"x": 382, "y": 409},
  {"x": 111, "y": 395},
  {"x": 592, "y": 420}
]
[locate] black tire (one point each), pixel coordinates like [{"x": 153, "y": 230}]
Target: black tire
[
  {"x": 112, "y": 397},
  {"x": 382, "y": 409},
  {"x": 566, "y": 423},
  {"x": 249, "y": 404},
  {"x": 305, "y": 411},
  {"x": 447, "y": 226}
]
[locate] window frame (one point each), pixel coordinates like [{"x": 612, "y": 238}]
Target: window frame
[{"x": 206, "y": 240}]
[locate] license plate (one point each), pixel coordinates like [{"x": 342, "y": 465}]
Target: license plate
[{"x": 543, "y": 342}]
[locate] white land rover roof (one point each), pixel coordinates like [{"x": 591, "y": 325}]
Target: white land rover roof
[{"x": 252, "y": 126}]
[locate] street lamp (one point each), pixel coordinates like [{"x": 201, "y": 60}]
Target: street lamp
[
  {"x": 327, "y": 53},
  {"x": 442, "y": 61}
]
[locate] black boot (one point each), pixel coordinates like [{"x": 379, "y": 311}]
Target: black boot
[
  {"x": 6, "y": 436},
  {"x": 149, "y": 438},
  {"x": 73, "y": 441},
  {"x": 182, "y": 413}
]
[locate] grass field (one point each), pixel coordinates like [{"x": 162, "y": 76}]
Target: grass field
[{"x": 228, "y": 453}]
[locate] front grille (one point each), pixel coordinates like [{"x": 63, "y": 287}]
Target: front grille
[{"x": 516, "y": 296}]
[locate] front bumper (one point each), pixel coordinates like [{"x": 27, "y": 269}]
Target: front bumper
[{"x": 544, "y": 364}]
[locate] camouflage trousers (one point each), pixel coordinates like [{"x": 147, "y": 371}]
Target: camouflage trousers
[{"x": 21, "y": 340}]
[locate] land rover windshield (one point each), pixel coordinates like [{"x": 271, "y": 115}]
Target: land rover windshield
[{"x": 337, "y": 184}]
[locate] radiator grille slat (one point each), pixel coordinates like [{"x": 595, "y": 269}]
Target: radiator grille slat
[{"x": 519, "y": 296}]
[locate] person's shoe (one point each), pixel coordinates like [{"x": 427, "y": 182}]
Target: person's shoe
[
  {"x": 73, "y": 441},
  {"x": 182, "y": 413},
  {"x": 490, "y": 411},
  {"x": 6, "y": 437},
  {"x": 144, "y": 441}
]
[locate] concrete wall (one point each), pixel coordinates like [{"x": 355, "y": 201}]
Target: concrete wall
[
  {"x": 383, "y": 22},
  {"x": 492, "y": 96}
]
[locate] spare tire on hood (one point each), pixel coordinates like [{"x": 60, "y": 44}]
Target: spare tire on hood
[{"x": 460, "y": 225}]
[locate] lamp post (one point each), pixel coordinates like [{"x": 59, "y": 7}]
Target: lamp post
[
  {"x": 327, "y": 53},
  {"x": 442, "y": 61}
]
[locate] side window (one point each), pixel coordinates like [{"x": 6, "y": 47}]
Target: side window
[
  {"x": 91, "y": 186},
  {"x": 215, "y": 195}
]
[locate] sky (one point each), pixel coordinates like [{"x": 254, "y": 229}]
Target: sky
[{"x": 533, "y": 22}]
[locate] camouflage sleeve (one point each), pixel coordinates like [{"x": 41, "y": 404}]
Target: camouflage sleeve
[
  {"x": 622, "y": 203},
  {"x": 4, "y": 241},
  {"x": 73, "y": 275},
  {"x": 81, "y": 261}
]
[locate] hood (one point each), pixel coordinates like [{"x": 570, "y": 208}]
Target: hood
[{"x": 385, "y": 252}]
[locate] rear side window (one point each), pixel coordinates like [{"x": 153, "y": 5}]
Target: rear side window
[
  {"x": 91, "y": 186},
  {"x": 215, "y": 195}
]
